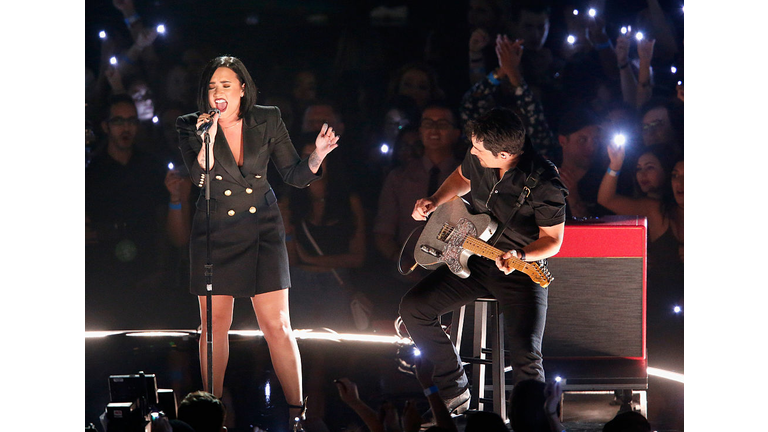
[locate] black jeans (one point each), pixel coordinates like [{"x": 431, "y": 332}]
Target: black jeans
[{"x": 522, "y": 301}]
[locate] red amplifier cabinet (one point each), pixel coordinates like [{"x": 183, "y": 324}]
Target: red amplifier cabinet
[{"x": 597, "y": 299}]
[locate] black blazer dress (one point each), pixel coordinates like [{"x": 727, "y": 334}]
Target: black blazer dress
[{"x": 247, "y": 237}]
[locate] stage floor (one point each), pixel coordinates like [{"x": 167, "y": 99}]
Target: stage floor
[{"x": 254, "y": 398}]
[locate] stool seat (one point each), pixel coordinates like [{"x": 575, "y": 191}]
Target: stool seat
[{"x": 486, "y": 309}]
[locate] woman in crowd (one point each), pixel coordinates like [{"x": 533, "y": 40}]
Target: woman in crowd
[{"x": 665, "y": 219}]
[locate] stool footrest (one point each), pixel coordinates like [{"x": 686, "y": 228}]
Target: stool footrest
[{"x": 475, "y": 360}]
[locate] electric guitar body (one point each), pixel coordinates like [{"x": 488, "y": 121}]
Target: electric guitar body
[{"x": 452, "y": 235}]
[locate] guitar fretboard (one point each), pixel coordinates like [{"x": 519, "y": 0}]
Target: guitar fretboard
[
  {"x": 479, "y": 247},
  {"x": 482, "y": 248}
]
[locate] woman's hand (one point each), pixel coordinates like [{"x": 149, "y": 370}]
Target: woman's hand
[
  {"x": 178, "y": 187},
  {"x": 115, "y": 79},
  {"x": 616, "y": 155},
  {"x": 645, "y": 50},
  {"x": 347, "y": 391},
  {"x": 510, "y": 54},
  {"x": 203, "y": 118},
  {"x": 146, "y": 37},
  {"x": 326, "y": 141},
  {"x": 622, "y": 49}
]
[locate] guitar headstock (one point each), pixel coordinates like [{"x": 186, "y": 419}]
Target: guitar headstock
[{"x": 541, "y": 275}]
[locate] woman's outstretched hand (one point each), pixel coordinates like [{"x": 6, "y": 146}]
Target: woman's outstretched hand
[{"x": 326, "y": 141}]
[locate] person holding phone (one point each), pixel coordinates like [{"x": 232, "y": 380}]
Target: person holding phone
[{"x": 247, "y": 235}]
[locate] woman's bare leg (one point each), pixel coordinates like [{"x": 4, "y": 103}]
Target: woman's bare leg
[
  {"x": 221, "y": 314},
  {"x": 274, "y": 321}
]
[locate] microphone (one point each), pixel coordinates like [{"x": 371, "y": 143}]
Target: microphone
[{"x": 207, "y": 125}]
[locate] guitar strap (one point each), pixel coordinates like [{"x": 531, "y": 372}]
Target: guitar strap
[{"x": 530, "y": 182}]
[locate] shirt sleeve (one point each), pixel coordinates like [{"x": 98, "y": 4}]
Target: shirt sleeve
[
  {"x": 537, "y": 128},
  {"x": 190, "y": 144},
  {"x": 479, "y": 99},
  {"x": 548, "y": 201}
]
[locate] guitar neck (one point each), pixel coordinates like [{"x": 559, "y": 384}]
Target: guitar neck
[{"x": 479, "y": 247}]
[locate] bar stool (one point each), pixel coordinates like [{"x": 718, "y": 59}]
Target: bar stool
[{"x": 486, "y": 310}]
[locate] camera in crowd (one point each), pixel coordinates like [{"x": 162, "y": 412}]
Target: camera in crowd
[{"x": 136, "y": 404}]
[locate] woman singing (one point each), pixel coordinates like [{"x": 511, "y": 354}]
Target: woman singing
[{"x": 247, "y": 237}]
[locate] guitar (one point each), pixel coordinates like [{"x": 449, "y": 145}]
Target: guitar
[{"x": 452, "y": 235}]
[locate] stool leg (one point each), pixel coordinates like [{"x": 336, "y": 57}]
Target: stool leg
[
  {"x": 478, "y": 342},
  {"x": 457, "y": 327},
  {"x": 499, "y": 384}
]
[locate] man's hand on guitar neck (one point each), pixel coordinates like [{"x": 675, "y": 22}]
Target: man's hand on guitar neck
[{"x": 503, "y": 264}]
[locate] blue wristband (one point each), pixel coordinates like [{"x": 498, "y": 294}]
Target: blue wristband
[
  {"x": 493, "y": 79},
  {"x": 174, "y": 206},
  {"x": 430, "y": 390},
  {"x": 611, "y": 172}
]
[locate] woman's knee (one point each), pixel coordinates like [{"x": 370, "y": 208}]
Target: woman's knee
[{"x": 275, "y": 329}]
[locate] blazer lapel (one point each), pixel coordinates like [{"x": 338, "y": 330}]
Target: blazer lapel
[
  {"x": 253, "y": 141},
  {"x": 224, "y": 156}
]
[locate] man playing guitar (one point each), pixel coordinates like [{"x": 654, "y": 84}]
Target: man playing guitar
[{"x": 506, "y": 179}]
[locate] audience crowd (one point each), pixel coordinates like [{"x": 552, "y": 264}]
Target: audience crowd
[{"x": 601, "y": 95}]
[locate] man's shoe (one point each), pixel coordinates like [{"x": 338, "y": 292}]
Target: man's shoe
[{"x": 460, "y": 404}]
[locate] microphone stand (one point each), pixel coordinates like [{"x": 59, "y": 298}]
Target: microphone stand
[{"x": 209, "y": 264}]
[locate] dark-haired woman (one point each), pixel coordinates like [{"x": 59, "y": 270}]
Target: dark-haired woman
[
  {"x": 665, "y": 270},
  {"x": 249, "y": 257}
]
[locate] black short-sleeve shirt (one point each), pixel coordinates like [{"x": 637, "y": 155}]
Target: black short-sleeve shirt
[{"x": 544, "y": 207}]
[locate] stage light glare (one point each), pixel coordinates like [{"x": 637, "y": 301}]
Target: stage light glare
[
  {"x": 639, "y": 36},
  {"x": 558, "y": 379},
  {"x": 677, "y": 309},
  {"x": 623, "y": 30},
  {"x": 592, "y": 12},
  {"x": 416, "y": 352},
  {"x": 113, "y": 60},
  {"x": 661, "y": 373},
  {"x": 384, "y": 149},
  {"x": 100, "y": 334},
  {"x": 102, "y": 34},
  {"x": 156, "y": 334},
  {"x": 673, "y": 69},
  {"x": 571, "y": 39},
  {"x": 161, "y": 29},
  {"x": 575, "y": 11}
]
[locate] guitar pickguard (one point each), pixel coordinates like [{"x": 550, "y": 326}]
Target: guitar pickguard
[{"x": 454, "y": 244}]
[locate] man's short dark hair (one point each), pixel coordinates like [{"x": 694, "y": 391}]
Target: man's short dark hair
[
  {"x": 443, "y": 106},
  {"x": 500, "y": 129},
  {"x": 236, "y": 65},
  {"x": 536, "y": 7},
  {"x": 629, "y": 421},
  {"x": 120, "y": 98},
  {"x": 203, "y": 411}
]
